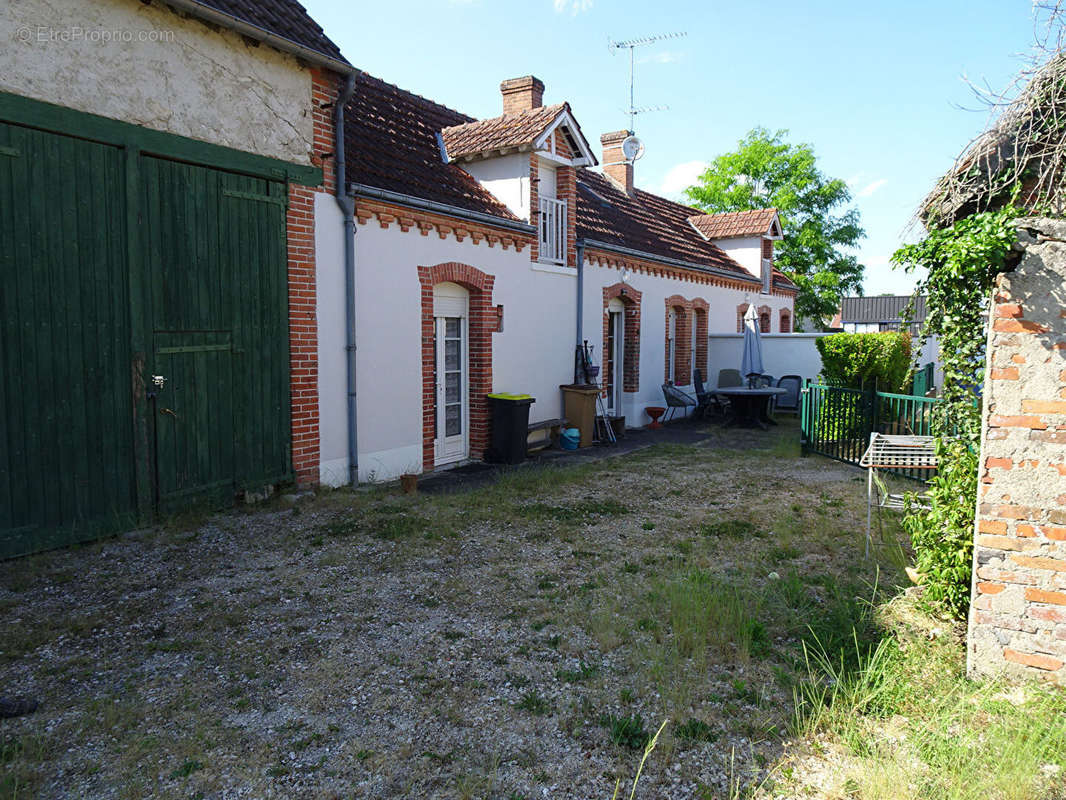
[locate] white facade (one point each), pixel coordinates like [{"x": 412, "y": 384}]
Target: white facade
[
  {"x": 746, "y": 251},
  {"x": 163, "y": 71},
  {"x": 533, "y": 354},
  {"x": 507, "y": 177},
  {"x": 721, "y": 318}
]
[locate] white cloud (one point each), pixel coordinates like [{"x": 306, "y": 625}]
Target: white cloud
[
  {"x": 870, "y": 188},
  {"x": 575, "y": 7},
  {"x": 681, "y": 176}
]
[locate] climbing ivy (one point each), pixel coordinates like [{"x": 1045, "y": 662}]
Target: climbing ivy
[{"x": 961, "y": 264}]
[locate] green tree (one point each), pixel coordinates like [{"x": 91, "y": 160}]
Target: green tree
[{"x": 766, "y": 171}]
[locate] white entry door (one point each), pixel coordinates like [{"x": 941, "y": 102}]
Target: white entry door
[
  {"x": 615, "y": 356},
  {"x": 452, "y": 374}
]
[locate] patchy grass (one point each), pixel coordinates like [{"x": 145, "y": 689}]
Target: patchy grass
[
  {"x": 507, "y": 640},
  {"x": 894, "y": 716}
]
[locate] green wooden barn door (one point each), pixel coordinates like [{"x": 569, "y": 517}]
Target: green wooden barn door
[
  {"x": 66, "y": 414},
  {"x": 215, "y": 257}
]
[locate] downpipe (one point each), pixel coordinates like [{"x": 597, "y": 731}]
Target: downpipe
[{"x": 347, "y": 206}]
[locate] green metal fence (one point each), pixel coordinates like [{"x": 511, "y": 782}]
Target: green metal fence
[{"x": 837, "y": 422}]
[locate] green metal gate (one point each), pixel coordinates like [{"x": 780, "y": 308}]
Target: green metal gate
[{"x": 118, "y": 266}]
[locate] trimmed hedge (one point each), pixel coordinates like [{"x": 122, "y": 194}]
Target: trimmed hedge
[{"x": 866, "y": 360}]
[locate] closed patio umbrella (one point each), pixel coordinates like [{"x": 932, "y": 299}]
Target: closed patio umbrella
[{"x": 751, "y": 360}]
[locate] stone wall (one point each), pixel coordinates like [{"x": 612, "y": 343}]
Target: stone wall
[
  {"x": 150, "y": 66},
  {"x": 1018, "y": 611}
]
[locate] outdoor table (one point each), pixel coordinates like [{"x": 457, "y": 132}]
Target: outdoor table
[{"x": 750, "y": 407}]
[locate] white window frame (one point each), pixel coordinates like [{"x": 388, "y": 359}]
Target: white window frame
[
  {"x": 451, "y": 301},
  {"x": 551, "y": 231}
]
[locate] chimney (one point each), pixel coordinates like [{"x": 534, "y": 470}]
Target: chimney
[
  {"x": 615, "y": 165},
  {"x": 522, "y": 94}
]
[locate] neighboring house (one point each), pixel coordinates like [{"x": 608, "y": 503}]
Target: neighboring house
[
  {"x": 881, "y": 313},
  {"x": 158, "y": 169},
  {"x": 894, "y": 313},
  {"x": 486, "y": 251}
]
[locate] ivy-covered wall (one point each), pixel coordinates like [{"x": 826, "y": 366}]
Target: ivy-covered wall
[{"x": 1018, "y": 603}]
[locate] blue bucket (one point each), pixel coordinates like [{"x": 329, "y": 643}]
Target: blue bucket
[{"x": 570, "y": 439}]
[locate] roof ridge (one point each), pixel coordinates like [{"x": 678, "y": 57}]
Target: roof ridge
[
  {"x": 513, "y": 115},
  {"x": 396, "y": 87}
]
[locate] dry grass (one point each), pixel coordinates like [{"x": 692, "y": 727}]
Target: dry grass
[{"x": 482, "y": 644}]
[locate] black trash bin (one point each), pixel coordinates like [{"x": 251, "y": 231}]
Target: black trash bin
[{"x": 510, "y": 427}]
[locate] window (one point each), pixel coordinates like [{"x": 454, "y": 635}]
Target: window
[
  {"x": 764, "y": 321},
  {"x": 767, "y": 275},
  {"x": 552, "y": 231}
]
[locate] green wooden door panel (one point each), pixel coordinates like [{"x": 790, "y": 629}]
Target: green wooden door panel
[
  {"x": 66, "y": 437},
  {"x": 215, "y": 255}
]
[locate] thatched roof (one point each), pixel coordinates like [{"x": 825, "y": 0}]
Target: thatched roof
[{"x": 1024, "y": 150}]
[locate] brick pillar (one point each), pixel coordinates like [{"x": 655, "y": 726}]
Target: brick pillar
[
  {"x": 1018, "y": 605},
  {"x": 303, "y": 323}
]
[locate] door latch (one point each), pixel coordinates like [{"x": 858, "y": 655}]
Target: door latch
[{"x": 158, "y": 380}]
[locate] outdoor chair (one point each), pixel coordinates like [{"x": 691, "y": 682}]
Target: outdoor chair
[
  {"x": 706, "y": 400},
  {"x": 756, "y": 381},
  {"x": 790, "y": 400},
  {"x": 675, "y": 398},
  {"x": 729, "y": 377}
]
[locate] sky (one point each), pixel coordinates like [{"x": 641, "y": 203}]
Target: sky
[{"x": 878, "y": 88}]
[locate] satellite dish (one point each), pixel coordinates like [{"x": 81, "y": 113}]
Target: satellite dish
[{"x": 632, "y": 148}]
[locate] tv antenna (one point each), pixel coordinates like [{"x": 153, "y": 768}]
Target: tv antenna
[{"x": 631, "y": 45}]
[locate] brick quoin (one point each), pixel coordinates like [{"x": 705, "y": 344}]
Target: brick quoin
[
  {"x": 630, "y": 298},
  {"x": 700, "y": 309},
  {"x": 483, "y": 321},
  {"x": 303, "y": 325}
]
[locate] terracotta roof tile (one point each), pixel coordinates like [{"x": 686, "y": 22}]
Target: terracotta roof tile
[
  {"x": 391, "y": 143},
  {"x": 285, "y": 18},
  {"x": 509, "y": 130},
  {"x": 733, "y": 224},
  {"x": 644, "y": 222},
  {"x": 649, "y": 223}
]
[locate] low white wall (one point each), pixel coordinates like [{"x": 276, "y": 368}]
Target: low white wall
[{"x": 782, "y": 354}]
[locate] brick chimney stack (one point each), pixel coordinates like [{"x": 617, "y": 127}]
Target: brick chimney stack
[
  {"x": 522, "y": 94},
  {"x": 615, "y": 165}
]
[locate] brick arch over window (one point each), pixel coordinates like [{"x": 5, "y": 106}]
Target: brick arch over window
[
  {"x": 700, "y": 309},
  {"x": 764, "y": 319},
  {"x": 482, "y": 323},
  {"x": 742, "y": 309},
  {"x": 785, "y": 325},
  {"x": 683, "y": 344},
  {"x": 630, "y": 298}
]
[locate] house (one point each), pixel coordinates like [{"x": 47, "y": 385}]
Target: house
[
  {"x": 486, "y": 251},
  {"x": 881, "y": 313},
  {"x": 895, "y": 313},
  {"x": 159, "y": 166}
]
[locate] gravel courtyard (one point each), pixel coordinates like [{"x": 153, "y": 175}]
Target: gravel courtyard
[{"x": 518, "y": 640}]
